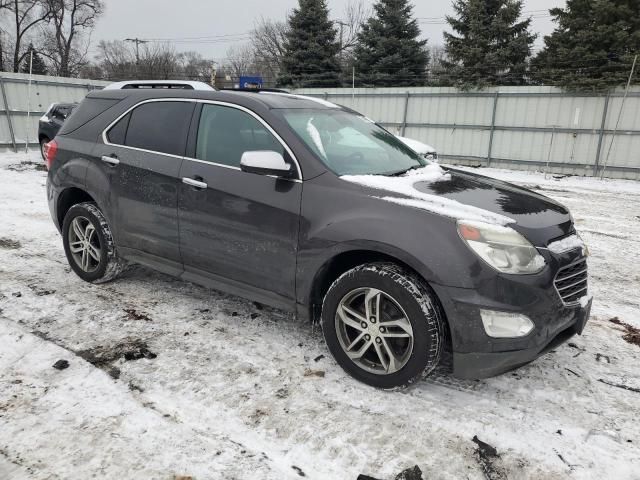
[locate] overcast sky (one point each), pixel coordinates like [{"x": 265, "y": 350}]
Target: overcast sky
[{"x": 191, "y": 20}]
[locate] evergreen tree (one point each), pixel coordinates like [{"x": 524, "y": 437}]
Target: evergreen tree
[
  {"x": 311, "y": 48},
  {"x": 38, "y": 67},
  {"x": 388, "y": 52},
  {"x": 592, "y": 47},
  {"x": 491, "y": 46}
]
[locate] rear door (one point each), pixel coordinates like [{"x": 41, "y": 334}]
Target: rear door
[
  {"x": 236, "y": 228},
  {"x": 144, "y": 151}
]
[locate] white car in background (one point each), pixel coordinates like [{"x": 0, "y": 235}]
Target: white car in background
[{"x": 427, "y": 151}]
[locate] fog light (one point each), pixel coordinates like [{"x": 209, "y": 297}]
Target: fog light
[{"x": 505, "y": 324}]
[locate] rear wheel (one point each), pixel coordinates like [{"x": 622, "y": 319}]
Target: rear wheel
[
  {"x": 382, "y": 326},
  {"x": 88, "y": 244},
  {"x": 43, "y": 145}
]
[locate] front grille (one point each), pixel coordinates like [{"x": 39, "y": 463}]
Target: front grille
[{"x": 571, "y": 281}]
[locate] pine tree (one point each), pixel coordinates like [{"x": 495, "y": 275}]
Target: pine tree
[
  {"x": 491, "y": 46},
  {"x": 592, "y": 47},
  {"x": 38, "y": 67},
  {"x": 388, "y": 52},
  {"x": 311, "y": 48}
]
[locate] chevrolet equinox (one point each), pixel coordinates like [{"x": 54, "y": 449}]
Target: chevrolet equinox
[{"x": 310, "y": 207}]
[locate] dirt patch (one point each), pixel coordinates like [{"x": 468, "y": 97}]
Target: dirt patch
[
  {"x": 133, "y": 314},
  {"x": 102, "y": 357},
  {"x": 487, "y": 457},
  {"x": 631, "y": 335},
  {"x": 9, "y": 244},
  {"x": 23, "y": 166},
  {"x": 39, "y": 291}
]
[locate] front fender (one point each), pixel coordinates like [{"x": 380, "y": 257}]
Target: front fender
[{"x": 338, "y": 220}]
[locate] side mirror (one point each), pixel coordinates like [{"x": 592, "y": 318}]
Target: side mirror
[{"x": 265, "y": 162}]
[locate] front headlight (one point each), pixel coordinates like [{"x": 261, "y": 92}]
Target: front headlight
[{"x": 501, "y": 247}]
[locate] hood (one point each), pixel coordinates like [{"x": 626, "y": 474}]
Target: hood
[{"x": 537, "y": 217}]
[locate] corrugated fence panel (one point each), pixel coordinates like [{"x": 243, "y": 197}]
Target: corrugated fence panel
[
  {"x": 541, "y": 111},
  {"x": 36, "y": 99},
  {"x": 450, "y": 110}
]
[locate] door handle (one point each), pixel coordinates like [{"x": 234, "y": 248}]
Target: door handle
[
  {"x": 194, "y": 183},
  {"x": 110, "y": 160}
]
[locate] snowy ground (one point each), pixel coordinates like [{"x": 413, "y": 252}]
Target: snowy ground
[{"x": 235, "y": 391}]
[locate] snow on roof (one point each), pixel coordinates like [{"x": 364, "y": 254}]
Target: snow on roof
[{"x": 405, "y": 185}]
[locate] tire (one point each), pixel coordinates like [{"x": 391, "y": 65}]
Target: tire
[
  {"x": 101, "y": 262},
  {"x": 415, "y": 341},
  {"x": 43, "y": 143}
]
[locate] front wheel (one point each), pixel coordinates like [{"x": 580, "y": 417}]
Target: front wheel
[
  {"x": 382, "y": 325},
  {"x": 89, "y": 245}
]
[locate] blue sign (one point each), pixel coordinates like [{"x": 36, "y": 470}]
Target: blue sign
[{"x": 251, "y": 82}]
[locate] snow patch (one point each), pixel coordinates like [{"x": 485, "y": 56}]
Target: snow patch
[
  {"x": 416, "y": 146},
  {"x": 584, "y": 301},
  {"x": 566, "y": 244},
  {"x": 406, "y": 185}
]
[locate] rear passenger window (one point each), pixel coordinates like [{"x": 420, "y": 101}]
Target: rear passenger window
[
  {"x": 156, "y": 126},
  {"x": 225, "y": 133}
]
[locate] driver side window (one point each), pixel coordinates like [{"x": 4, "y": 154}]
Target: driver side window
[{"x": 225, "y": 133}]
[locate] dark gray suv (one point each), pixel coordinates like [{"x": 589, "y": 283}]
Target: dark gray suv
[{"x": 310, "y": 207}]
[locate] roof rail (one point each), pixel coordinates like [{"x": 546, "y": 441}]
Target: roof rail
[
  {"x": 165, "y": 84},
  {"x": 254, "y": 90}
]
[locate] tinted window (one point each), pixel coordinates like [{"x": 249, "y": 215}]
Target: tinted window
[
  {"x": 225, "y": 133},
  {"x": 118, "y": 132},
  {"x": 160, "y": 127}
]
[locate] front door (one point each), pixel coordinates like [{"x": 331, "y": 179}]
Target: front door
[{"x": 238, "y": 228}]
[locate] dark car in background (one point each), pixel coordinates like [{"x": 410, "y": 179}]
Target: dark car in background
[
  {"x": 309, "y": 207},
  {"x": 50, "y": 123}
]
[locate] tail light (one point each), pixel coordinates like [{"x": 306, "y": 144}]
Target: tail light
[{"x": 50, "y": 151}]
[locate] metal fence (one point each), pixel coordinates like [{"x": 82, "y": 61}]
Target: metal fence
[
  {"x": 23, "y": 103},
  {"x": 512, "y": 127}
]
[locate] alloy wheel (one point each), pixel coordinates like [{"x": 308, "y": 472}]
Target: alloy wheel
[
  {"x": 84, "y": 244},
  {"x": 374, "y": 331}
]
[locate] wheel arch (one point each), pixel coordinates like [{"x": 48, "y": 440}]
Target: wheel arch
[
  {"x": 345, "y": 260},
  {"x": 68, "y": 198}
]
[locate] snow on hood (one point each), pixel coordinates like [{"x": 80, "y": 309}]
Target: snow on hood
[
  {"x": 405, "y": 185},
  {"x": 416, "y": 146}
]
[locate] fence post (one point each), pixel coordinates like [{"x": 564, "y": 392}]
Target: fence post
[
  {"x": 605, "y": 110},
  {"x": 8, "y": 114},
  {"x": 493, "y": 127},
  {"x": 404, "y": 117}
]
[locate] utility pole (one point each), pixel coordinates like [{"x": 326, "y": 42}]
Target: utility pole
[{"x": 137, "y": 41}]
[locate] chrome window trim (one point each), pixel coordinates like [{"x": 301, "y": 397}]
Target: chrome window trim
[{"x": 105, "y": 140}]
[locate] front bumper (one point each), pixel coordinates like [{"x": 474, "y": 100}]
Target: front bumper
[{"x": 475, "y": 354}]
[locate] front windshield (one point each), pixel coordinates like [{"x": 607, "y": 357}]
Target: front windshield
[{"x": 350, "y": 144}]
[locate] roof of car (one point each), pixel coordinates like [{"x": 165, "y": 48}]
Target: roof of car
[{"x": 269, "y": 99}]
